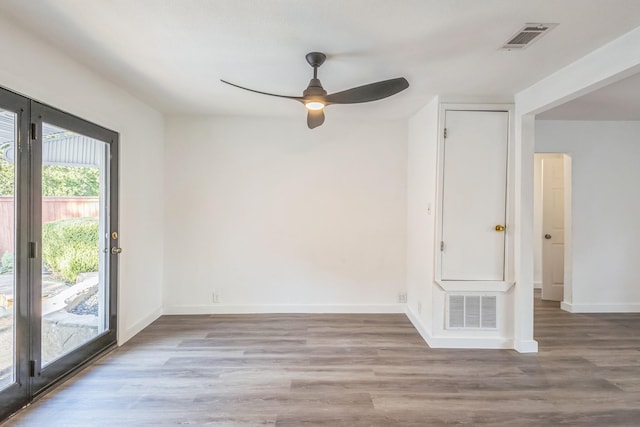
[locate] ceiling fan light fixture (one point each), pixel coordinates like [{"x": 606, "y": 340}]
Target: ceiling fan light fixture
[
  {"x": 314, "y": 105},
  {"x": 315, "y": 98}
]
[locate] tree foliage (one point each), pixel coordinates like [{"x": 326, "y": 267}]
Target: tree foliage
[
  {"x": 61, "y": 181},
  {"x": 6, "y": 175},
  {"x": 70, "y": 181}
]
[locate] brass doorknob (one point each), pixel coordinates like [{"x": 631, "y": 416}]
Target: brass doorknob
[
  {"x": 547, "y": 236},
  {"x": 500, "y": 227}
]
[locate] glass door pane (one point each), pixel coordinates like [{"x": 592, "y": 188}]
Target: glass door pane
[
  {"x": 75, "y": 241},
  {"x": 8, "y": 137}
]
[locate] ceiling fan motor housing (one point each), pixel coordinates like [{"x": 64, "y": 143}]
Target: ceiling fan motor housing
[{"x": 314, "y": 89}]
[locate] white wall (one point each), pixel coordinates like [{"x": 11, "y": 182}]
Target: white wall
[
  {"x": 274, "y": 217},
  {"x": 35, "y": 69},
  {"x": 421, "y": 214},
  {"x": 606, "y": 207}
]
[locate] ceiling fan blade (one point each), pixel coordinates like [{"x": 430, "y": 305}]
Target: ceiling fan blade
[
  {"x": 315, "y": 118},
  {"x": 297, "y": 98},
  {"x": 368, "y": 93}
]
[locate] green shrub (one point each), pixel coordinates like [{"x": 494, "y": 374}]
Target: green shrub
[
  {"x": 6, "y": 263},
  {"x": 70, "y": 247}
]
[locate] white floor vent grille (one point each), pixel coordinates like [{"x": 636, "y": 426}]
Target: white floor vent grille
[{"x": 471, "y": 312}]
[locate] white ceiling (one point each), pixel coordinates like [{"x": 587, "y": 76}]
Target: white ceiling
[{"x": 172, "y": 53}]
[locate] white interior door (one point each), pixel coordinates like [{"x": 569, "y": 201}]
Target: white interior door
[
  {"x": 474, "y": 195},
  {"x": 553, "y": 228}
]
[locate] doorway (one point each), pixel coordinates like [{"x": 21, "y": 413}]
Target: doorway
[
  {"x": 58, "y": 241},
  {"x": 552, "y": 224}
]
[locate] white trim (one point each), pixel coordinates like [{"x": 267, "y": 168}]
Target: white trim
[
  {"x": 508, "y": 107},
  {"x": 417, "y": 323},
  {"x": 474, "y": 286},
  {"x": 124, "y": 336},
  {"x": 283, "y": 308},
  {"x": 522, "y": 310},
  {"x": 470, "y": 342},
  {"x": 600, "y": 308},
  {"x": 537, "y": 284},
  {"x": 526, "y": 346},
  {"x": 567, "y": 291}
]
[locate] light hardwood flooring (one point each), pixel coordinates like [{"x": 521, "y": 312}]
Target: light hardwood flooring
[{"x": 352, "y": 370}]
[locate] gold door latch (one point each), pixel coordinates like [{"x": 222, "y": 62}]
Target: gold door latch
[{"x": 500, "y": 228}]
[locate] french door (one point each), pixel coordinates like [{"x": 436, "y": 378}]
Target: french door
[{"x": 58, "y": 246}]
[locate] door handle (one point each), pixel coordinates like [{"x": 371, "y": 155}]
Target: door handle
[
  {"x": 547, "y": 236},
  {"x": 115, "y": 251},
  {"x": 500, "y": 228}
]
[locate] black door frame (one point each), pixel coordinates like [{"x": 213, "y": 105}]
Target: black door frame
[
  {"x": 17, "y": 395},
  {"x": 32, "y": 379}
]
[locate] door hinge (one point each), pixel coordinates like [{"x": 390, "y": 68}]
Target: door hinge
[
  {"x": 33, "y": 250},
  {"x": 445, "y": 133},
  {"x": 33, "y": 131},
  {"x": 441, "y": 246},
  {"x": 32, "y": 368}
]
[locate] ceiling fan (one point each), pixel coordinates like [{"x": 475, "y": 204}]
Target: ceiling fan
[{"x": 315, "y": 98}]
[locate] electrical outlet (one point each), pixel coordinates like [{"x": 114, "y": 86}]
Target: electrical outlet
[
  {"x": 402, "y": 297},
  {"x": 419, "y": 308},
  {"x": 215, "y": 298}
]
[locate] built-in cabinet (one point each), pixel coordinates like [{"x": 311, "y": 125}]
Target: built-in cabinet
[{"x": 473, "y": 231}]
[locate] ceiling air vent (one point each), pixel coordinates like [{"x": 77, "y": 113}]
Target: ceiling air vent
[{"x": 526, "y": 35}]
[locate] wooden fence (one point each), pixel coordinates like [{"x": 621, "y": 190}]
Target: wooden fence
[{"x": 53, "y": 209}]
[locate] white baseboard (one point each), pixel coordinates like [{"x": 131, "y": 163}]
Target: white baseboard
[
  {"x": 537, "y": 285},
  {"x": 456, "y": 342},
  {"x": 472, "y": 343},
  {"x": 600, "y": 308},
  {"x": 526, "y": 346},
  {"x": 124, "y": 336},
  {"x": 284, "y": 308},
  {"x": 417, "y": 323}
]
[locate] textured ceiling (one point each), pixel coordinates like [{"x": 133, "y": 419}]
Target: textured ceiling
[{"x": 172, "y": 53}]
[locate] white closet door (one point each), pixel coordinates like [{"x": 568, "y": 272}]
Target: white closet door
[
  {"x": 553, "y": 228},
  {"x": 474, "y": 195}
]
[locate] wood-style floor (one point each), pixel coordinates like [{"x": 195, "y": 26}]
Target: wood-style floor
[{"x": 352, "y": 370}]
